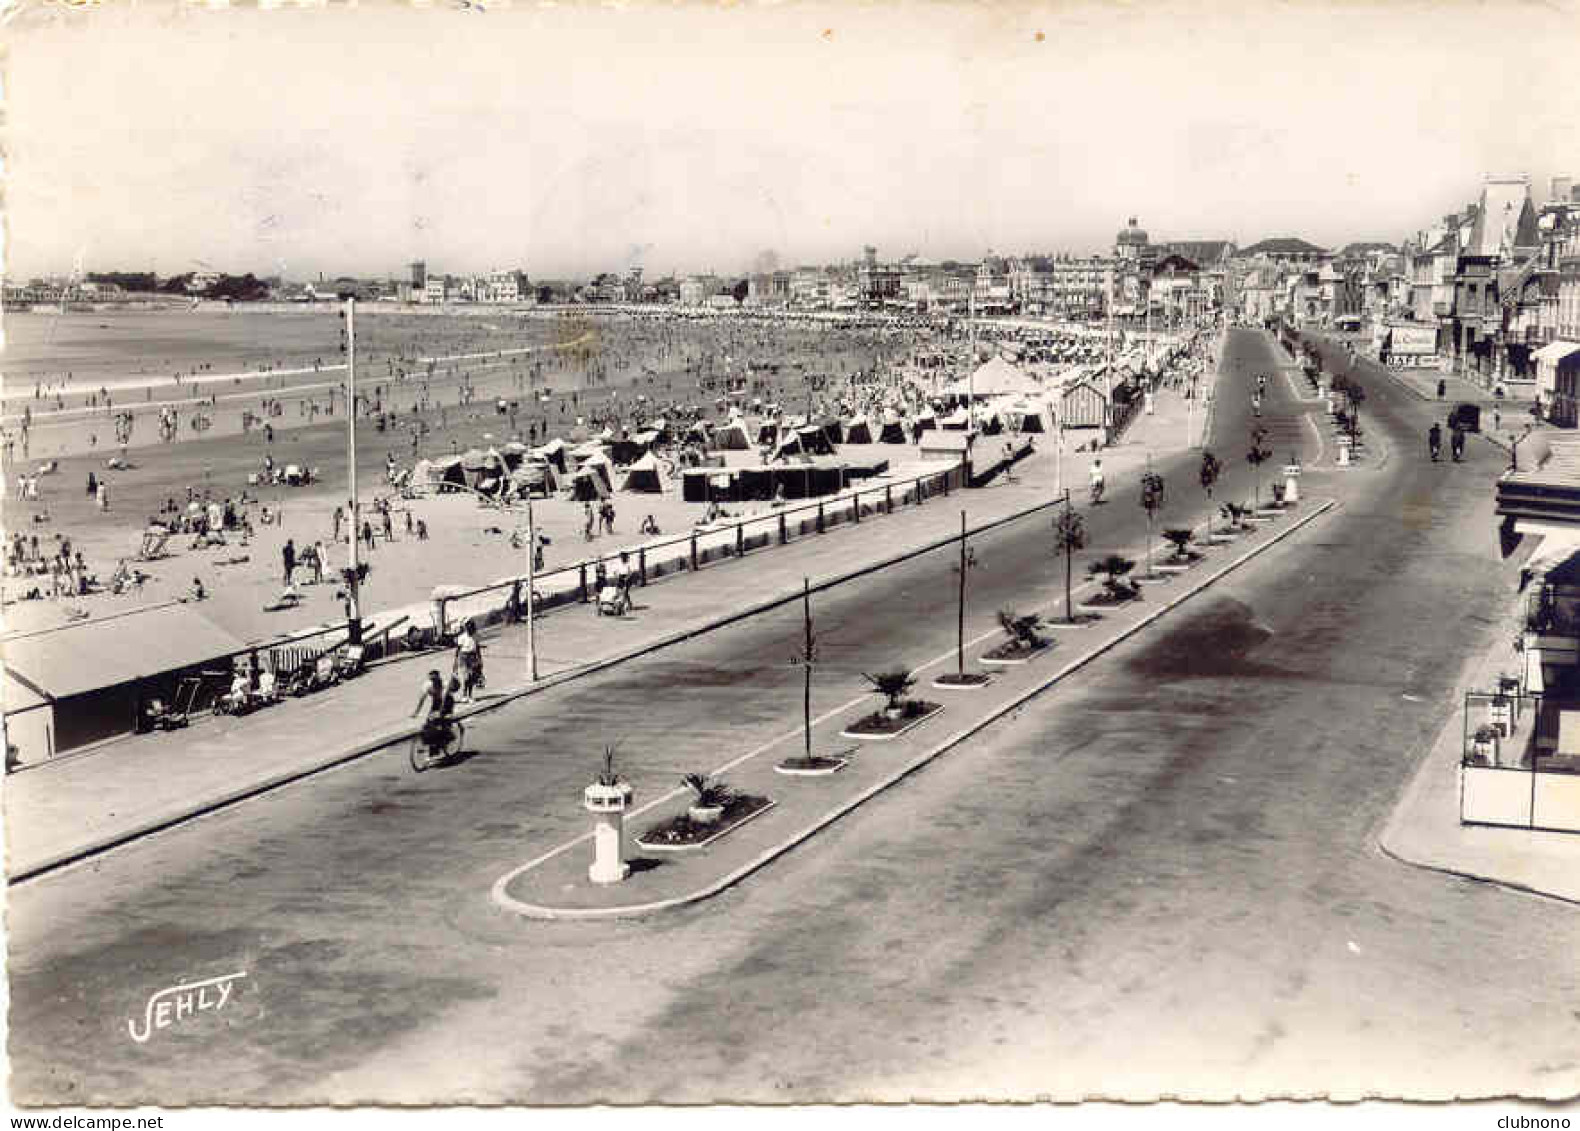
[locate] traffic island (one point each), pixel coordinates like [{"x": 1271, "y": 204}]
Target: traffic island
[{"x": 556, "y": 885}]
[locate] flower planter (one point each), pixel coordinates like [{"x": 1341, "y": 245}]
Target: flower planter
[
  {"x": 877, "y": 727},
  {"x": 820, "y": 767},
  {"x": 971, "y": 681},
  {"x": 682, "y": 834},
  {"x": 1006, "y": 655}
]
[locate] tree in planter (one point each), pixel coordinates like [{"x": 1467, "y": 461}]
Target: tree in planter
[
  {"x": 892, "y": 686},
  {"x": 1022, "y": 629},
  {"x": 1234, "y": 514},
  {"x": 1211, "y": 469},
  {"x": 1113, "y": 569},
  {"x": 1069, "y": 535},
  {"x": 1151, "y": 502},
  {"x": 1257, "y": 456},
  {"x": 1179, "y": 537}
]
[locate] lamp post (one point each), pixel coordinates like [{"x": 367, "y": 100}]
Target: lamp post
[
  {"x": 354, "y": 613},
  {"x": 532, "y": 584}
]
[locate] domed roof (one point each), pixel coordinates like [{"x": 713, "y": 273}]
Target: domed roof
[{"x": 1132, "y": 236}]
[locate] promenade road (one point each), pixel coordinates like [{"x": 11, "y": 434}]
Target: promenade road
[{"x": 1157, "y": 878}]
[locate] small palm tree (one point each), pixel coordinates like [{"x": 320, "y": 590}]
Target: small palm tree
[
  {"x": 892, "y": 685},
  {"x": 709, "y": 792},
  {"x": 1113, "y": 567},
  {"x": 1179, "y": 538},
  {"x": 1235, "y": 514},
  {"x": 1022, "y": 629}
]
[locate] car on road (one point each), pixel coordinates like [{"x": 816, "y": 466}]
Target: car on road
[{"x": 1466, "y": 416}]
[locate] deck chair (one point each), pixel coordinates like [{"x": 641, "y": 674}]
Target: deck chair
[{"x": 153, "y": 545}]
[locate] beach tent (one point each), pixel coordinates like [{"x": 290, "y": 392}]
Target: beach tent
[
  {"x": 858, "y": 431},
  {"x": 768, "y": 432},
  {"x": 553, "y": 452},
  {"x": 643, "y": 475},
  {"x": 957, "y": 420},
  {"x": 925, "y": 422},
  {"x": 536, "y": 478},
  {"x": 893, "y": 430},
  {"x": 514, "y": 453},
  {"x": 814, "y": 440},
  {"x": 588, "y": 485},
  {"x": 789, "y": 446},
  {"x": 599, "y": 465},
  {"x": 732, "y": 436},
  {"x": 422, "y": 475},
  {"x": 697, "y": 433},
  {"x": 834, "y": 429},
  {"x": 446, "y": 474},
  {"x": 1029, "y": 416}
]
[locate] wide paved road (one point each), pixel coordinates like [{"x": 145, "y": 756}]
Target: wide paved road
[{"x": 1160, "y": 877}]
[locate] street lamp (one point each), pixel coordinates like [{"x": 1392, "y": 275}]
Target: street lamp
[{"x": 353, "y": 583}]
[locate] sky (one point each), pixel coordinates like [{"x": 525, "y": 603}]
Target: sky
[{"x": 566, "y": 140}]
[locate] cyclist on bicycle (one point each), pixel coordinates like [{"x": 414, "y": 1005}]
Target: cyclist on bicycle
[
  {"x": 1434, "y": 440},
  {"x": 441, "y": 703}
]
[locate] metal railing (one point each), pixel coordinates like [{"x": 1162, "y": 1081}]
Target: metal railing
[{"x": 733, "y": 538}]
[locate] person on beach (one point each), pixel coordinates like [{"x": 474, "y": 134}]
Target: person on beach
[{"x": 288, "y": 558}]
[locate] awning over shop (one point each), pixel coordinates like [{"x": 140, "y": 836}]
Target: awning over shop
[
  {"x": 102, "y": 653},
  {"x": 1554, "y": 352},
  {"x": 1558, "y": 546}
]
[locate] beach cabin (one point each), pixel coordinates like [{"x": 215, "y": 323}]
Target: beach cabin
[{"x": 1084, "y": 405}]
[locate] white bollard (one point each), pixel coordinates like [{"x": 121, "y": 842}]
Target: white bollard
[
  {"x": 1344, "y": 451},
  {"x": 1292, "y": 483},
  {"x": 607, "y": 804}
]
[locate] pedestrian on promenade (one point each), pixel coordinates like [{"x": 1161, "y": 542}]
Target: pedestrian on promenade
[
  {"x": 93, "y": 485},
  {"x": 288, "y": 559},
  {"x": 408, "y": 520},
  {"x": 389, "y": 525},
  {"x": 318, "y": 562},
  {"x": 367, "y": 534},
  {"x": 104, "y": 494},
  {"x": 339, "y": 517},
  {"x": 1442, "y": 388}
]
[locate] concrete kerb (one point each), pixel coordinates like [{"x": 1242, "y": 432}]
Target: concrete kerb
[
  {"x": 506, "y": 697},
  {"x": 501, "y": 899}
]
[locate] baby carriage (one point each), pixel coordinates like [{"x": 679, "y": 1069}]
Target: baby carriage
[{"x": 613, "y": 601}]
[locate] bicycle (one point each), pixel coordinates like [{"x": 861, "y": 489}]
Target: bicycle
[{"x": 438, "y": 741}]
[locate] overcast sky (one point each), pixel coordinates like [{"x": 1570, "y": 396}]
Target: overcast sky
[{"x": 567, "y": 141}]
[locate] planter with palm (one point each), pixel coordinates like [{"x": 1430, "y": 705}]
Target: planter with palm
[{"x": 1113, "y": 568}]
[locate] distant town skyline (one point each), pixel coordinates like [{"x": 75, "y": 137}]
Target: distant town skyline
[{"x": 568, "y": 142}]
